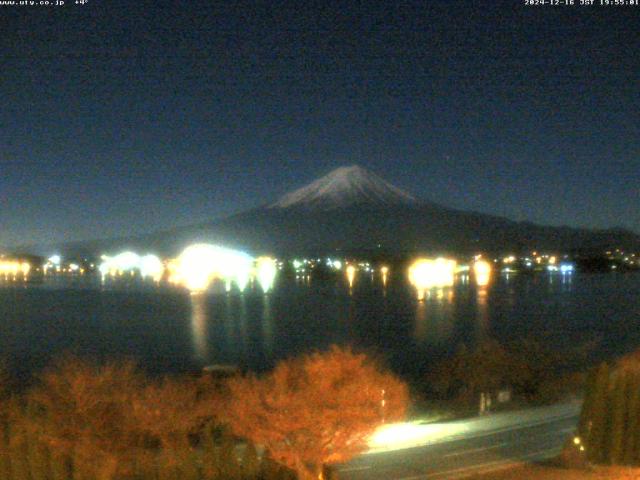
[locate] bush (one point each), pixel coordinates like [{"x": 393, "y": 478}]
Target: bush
[{"x": 610, "y": 417}]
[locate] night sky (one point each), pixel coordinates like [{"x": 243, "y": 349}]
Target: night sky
[{"x": 119, "y": 118}]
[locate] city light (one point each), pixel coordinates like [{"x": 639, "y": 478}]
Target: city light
[
  {"x": 130, "y": 262},
  {"x": 351, "y": 273},
  {"x": 198, "y": 265},
  {"x": 124, "y": 262},
  {"x": 14, "y": 268},
  {"x": 53, "y": 262},
  {"x": 384, "y": 270},
  {"x": 566, "y": 268},
  {"x": 151, "y": 266},
  {"x": 482, "y": 272},
  {"x": 266, "y": 270},
  {"x": 428, "y": 273}
]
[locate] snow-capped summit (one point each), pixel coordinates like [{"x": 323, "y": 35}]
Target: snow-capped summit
[{"x": 343, "y": 187}]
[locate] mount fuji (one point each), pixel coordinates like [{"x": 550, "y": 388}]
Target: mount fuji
[
  {"x": 346, "y": 187},
  {"x": 352, "y": 210}
]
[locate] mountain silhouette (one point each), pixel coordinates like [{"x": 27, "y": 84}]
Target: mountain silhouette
[{"x": 352, "y": 210}]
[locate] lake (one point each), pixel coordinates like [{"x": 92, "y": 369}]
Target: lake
[{"x": 168, "y": 330}]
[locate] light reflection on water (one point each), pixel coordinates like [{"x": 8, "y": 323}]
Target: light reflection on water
[
  {"x": 170, "y": 330},
  {"x": 482, "y": 306},
  {"x": 267, "y": 325},
  {"x": 199, "y": 322},
  {"x": 434, "y": 320}
]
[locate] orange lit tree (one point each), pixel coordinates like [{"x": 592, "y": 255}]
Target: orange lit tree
[
  {"x": 316, "y": 410},
  {"x": 111, "y": 421},
  {"x": 81, "y": 410}
]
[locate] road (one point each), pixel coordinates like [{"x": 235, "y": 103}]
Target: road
[{"x": 464, "y": 448}]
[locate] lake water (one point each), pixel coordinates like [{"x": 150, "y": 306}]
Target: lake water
[{"x": 168, "y": 330}]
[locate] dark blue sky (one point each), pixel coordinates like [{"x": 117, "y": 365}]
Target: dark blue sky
[{"x": 125, "y": 117}]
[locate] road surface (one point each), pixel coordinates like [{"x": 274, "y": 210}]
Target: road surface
[{"x": 465, "y": 448}]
